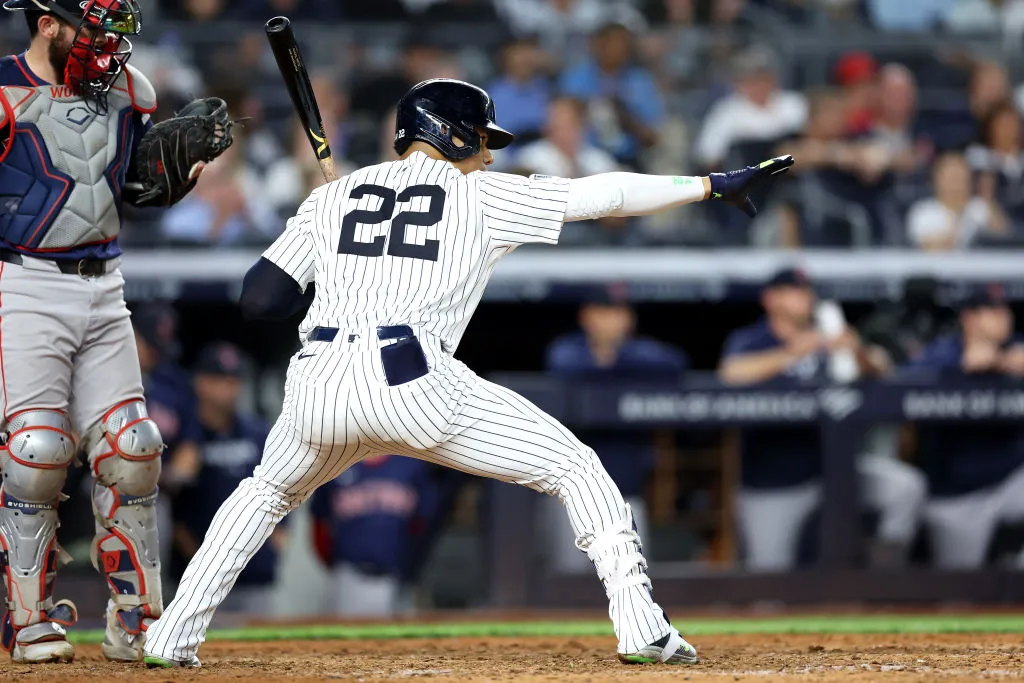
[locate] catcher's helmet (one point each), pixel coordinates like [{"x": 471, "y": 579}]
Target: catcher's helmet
[
  {"x": 436, "y": 110},
  {"x": 100, "y": 47}
]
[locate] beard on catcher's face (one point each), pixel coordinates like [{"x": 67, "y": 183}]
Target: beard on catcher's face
[{"x": 58, "y": 53}]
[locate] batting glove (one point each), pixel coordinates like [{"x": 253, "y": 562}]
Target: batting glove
[{"x": 734, "y": 187}]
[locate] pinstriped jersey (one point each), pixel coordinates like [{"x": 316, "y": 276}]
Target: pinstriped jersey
[{"x": 412, "y": 242}]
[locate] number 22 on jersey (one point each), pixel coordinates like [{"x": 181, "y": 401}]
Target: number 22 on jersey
[{"x": 396, "y": 238}]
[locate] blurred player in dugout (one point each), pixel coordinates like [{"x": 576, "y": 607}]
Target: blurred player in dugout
[
  {"x": 229, "y": 444},
  {"x": 780, "y": 486},
  {"x": 606, "y": 347},
  {"x": 975, "y": 472},
  {"x": 171, "y": 403},
  {"x": 368, "y": 525}
]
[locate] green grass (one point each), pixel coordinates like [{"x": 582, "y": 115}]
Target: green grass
[{"x": 935, "y": 623}]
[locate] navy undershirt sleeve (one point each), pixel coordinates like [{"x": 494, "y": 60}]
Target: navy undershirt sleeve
[{"x": 269, "y": 293}]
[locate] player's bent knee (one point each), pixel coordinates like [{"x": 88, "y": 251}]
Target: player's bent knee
[
  {"x": 124, "y": 449},
  {"x": 38, "y": 450},
  {"x": 274, "y": 497}
]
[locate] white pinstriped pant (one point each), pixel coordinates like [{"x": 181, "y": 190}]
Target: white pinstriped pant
[{"x": 338, "y": 410}]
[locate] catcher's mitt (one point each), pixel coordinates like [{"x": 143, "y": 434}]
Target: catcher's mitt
[{"x": 163, "y": 168}]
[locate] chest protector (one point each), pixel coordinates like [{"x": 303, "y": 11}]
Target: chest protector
[{"x": 63, "y": 165}]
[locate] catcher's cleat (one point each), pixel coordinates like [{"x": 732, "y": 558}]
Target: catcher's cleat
[
  {"x": 155, "y": 662},
  {"x": 120, "y": 644},
  {"x": 45, "y": 641},
  {"x": 671, "y": 649}
]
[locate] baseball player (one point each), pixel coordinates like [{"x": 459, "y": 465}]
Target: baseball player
[
  {"x": 75, "y": 119},
  {"x": 400, "y": 253}
]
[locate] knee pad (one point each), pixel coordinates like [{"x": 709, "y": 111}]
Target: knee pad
[
  {"x": 35, "y": 457},
  {"x": 124, "y": 449}
]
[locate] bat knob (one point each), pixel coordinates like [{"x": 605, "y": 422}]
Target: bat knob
[{"x": 278, "y": 24}]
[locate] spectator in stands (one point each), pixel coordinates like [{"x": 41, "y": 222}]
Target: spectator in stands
[
  {"x": 674, "y": 47},
  {"x": 607, "y": 347},
  {"x": 564, "y": 150},
  {"x": 299, "y": 10},
  {"x": 225, "y": 209},
  {"x": 197, "y": 11},
  {"x": 976, "y": 472},
  {"x": 998, "y": 158},
  {"x": 980, "y": 16},
  {"x": 378, "y": 10},
  {"x": 856, "y": 73},
  {"x": 955, "y": 217},
  {"x": 624, "y": 105},
  {"x": 756, "y": 112},
  {"x": 838, "y": 183},
  {"x": 451, "y": 11},
  {"x": 365, "y": 527},
  {"x": 780, "y": 471},
  {"x": 171, "y": 404},
  {"x": 895, "y": 122},
  {"x": 561, "y": 25},
  {"x": 989, "y": 87},
  {"x": 521, "y": 92},
  {"x": 374, "y": 93},
  {"x": 275, "y": 175},
  {"x": 920, "y": 15},
  {"x": 230, "y": 444}
]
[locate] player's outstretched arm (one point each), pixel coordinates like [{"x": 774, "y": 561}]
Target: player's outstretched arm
[{"x": 634, "y": 194}]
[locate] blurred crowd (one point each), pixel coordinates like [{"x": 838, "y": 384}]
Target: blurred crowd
[{"x": 905, "y": 142}]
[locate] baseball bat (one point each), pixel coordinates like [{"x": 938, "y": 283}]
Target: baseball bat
[{"x": 296, "y": 79}]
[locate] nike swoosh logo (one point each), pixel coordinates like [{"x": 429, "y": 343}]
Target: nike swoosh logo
[{"x": 306, "y": 355}]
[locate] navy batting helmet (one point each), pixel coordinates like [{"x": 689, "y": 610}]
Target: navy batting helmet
[{"x": 434, "y": 111}]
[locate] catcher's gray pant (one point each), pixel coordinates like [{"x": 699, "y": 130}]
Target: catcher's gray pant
[
  {"x": 339, "y": 409},
  {"x": 770, "y": 521},
  {"x": 961, "y": 527},
  {"x": 67, "y": 349}
]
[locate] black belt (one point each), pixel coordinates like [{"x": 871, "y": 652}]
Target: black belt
[
  {"x": 86, "y": 267},
  {"x": 403, "y": 361},
  {"x": 328, "y": 334}
]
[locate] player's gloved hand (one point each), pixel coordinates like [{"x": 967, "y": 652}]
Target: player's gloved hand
[{"x": 734, "y": 187}]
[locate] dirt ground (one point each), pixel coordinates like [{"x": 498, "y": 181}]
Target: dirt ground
[{"x": 848, "y": 658}]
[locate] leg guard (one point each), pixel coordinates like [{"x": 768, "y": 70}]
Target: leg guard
[
  {"x": 124, "y": 453},
  {"x": 37, "y": 450}
]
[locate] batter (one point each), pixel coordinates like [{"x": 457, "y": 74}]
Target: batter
[{"x": 400, "y": 254}]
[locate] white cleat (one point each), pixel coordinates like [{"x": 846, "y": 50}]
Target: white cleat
[
  {"x": 671, "y": 649},
  {"x": 155, "y": 662},
  {"x": 43, "y": 642}
]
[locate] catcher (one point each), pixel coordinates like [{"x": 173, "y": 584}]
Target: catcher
[{"x": 77, "y": 142}]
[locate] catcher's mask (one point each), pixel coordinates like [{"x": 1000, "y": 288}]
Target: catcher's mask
[{"x": 100, "y": 47}]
